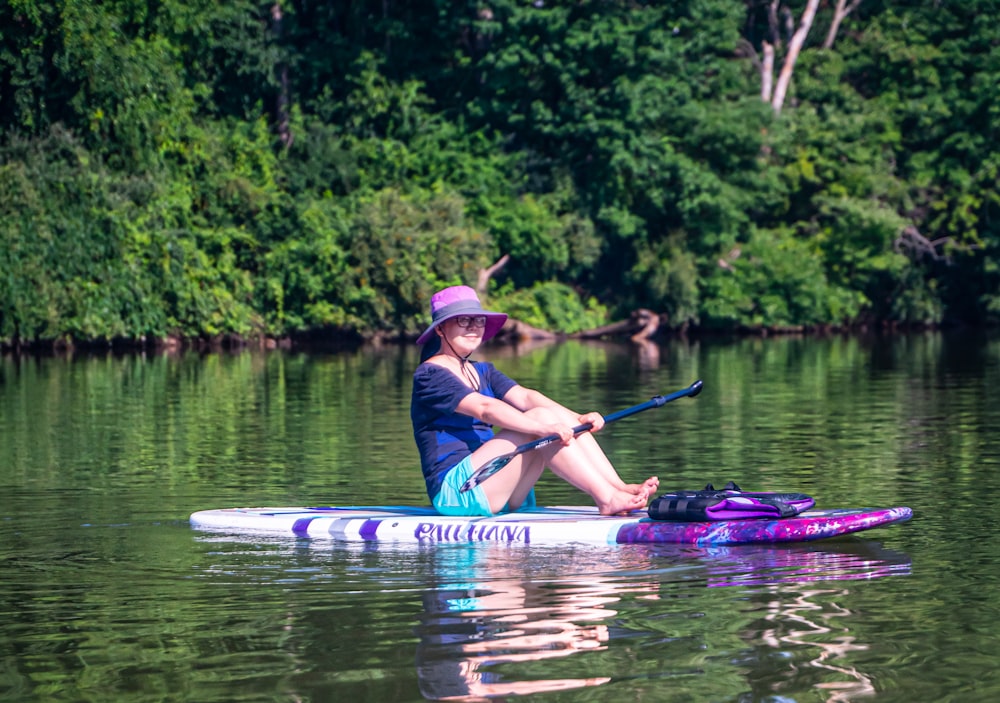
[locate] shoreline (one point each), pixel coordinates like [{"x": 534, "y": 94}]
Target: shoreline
[{"x": 340, "y": 340}]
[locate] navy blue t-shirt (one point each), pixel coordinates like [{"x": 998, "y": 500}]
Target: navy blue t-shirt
[{"x": 444, "y": 436}]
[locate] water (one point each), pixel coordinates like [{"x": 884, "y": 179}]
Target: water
[{"x": 107, "y": 594}]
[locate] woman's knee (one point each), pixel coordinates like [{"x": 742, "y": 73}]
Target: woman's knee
[{"x": 548, "y": 416}]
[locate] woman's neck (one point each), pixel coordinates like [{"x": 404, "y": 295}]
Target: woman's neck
[{"x": 459, "y": 365}]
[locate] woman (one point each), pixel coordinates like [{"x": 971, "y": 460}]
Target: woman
[{"x": 456, "y": 402}]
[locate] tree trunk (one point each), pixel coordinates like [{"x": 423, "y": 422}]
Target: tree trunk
[
  {"x": 642, "y": 324},
  {"x": 609, "y": 330},
  {"x": 650, "y": 322},
  {"x": 767, "y": 72},
  {"x": 840, "y": 12},
  {"x": 483, "y": 280},
  {"x": 281, "y": 103},
  {"x": 520, "y": 331},
  {"x": 794, "y": 47},
  {"x": 772, "y": 22}
]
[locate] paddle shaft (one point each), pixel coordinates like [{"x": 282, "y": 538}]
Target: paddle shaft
[
  {"x": 654, "y": 402},
  {"x": 491, "y": 467}
]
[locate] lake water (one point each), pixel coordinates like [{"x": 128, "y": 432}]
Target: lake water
[{"x": 108, "y": 594}]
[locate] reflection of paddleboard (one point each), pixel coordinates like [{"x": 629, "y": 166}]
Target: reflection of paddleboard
[
  {"x": 847, "y": 559},
  {"x": 542, "y": 525}
]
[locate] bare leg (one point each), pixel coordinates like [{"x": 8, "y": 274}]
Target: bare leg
[
  {"x": 582, "y": 463},
  {"x": 570, "y": 463},
  {"x": 511, "y": 485},
  {"x": 598, "y": 461}
]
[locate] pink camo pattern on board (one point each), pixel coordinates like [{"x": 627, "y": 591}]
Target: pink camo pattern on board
[{"x": 809, "y": 526}]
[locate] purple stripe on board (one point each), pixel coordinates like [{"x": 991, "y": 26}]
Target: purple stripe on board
[
  {"x": 301, "y": 526},
  {"x": 368, "y": 529}
]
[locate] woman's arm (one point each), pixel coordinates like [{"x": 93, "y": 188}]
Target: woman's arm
[
  {"x": 513, "y": 413},
  {"x": 510, "y": 417},
  {"x": 527, "y": 398}
]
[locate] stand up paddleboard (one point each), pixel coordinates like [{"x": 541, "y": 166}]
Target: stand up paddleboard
[{"x": 553, "y": 525}]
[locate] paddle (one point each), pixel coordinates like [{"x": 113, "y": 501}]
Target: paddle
[{"x": 494, "y": 465}]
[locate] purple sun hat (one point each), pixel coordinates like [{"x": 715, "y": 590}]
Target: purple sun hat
[{"x": 460, "y": 300}]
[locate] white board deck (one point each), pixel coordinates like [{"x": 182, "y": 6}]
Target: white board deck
[{"x": 552, "y": 525}]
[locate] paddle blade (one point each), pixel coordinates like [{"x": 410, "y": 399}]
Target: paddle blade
[{"x": 487, "y": 470}]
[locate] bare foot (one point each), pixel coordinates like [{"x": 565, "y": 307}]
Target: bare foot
[
  {"x": 622, "y": 502},
  {"x": 647, "y": 487}
]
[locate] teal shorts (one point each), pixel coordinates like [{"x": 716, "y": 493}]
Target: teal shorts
[{"x": 450, "y": 500}]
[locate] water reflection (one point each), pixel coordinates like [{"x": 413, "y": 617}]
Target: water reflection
[
  {"x": 794, "y": 616},
  {"x": 480, "y": 632},
  {"x": 647, "y": 354},
  {"x": 470, "y": 629},
  {"x": 806, "y": 621},
  {"x": 110, "y": 596},
  {"x": 494, "y": 621},
  {"x": 846, "y": 560},
  {"x": 481, "y": 629}
]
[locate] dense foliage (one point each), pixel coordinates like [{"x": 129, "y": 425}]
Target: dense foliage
[{"x": 204, "y": 169}]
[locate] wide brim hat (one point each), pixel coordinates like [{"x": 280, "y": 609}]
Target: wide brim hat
[{"x": 460, "y": 300}]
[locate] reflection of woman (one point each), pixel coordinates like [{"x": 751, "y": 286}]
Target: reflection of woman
[
  {"x": 456, "y": 403},
  {"x": 467, "y": 628}
]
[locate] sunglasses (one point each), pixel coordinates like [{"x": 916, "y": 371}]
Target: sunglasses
[{"x": 466, "y": 321}]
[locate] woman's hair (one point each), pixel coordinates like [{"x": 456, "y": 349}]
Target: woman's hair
[{"x": 432, "y": 347}]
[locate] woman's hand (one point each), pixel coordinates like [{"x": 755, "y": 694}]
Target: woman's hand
[
  {"x": 593, "y": 418},
  {"x": 565, "y": 432}
]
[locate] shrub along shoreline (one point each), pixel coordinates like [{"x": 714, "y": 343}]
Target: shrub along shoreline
[{"x": 205, "y": 174}]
